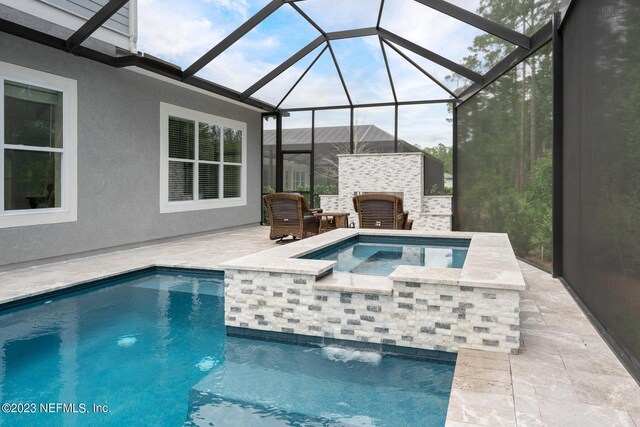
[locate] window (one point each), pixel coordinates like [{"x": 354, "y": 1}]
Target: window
[
  {"x": 299, "y": 179},
  {"x": 203, "y": 160},
  {"x": 38, "y": 137}
]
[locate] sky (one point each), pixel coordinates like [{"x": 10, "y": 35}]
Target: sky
[{"x": 181, "y": 32}]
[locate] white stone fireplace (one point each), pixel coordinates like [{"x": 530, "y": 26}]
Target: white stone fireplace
[{"x": 401, "y": 173}]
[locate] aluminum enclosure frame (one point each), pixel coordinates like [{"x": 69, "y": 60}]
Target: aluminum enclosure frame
[{"x": 73, "y": 45}]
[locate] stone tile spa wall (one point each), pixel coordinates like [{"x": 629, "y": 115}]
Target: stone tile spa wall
[{"x": 416, "y": 315}]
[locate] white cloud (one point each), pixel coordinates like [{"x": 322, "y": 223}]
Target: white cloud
[
  {"x": 182, "y": 32},
  {"x": 241, "y": 7},
  {"x": 233, "y": 69},
  {"x": 174, "y": 32},
  {"x": 431, "y": 29},
  {"x": 317, "y": 89}
]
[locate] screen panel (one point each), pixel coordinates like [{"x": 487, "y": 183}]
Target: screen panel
[
  {"x": 504, "y": 159},
  {"x": 601, "y": 158}
]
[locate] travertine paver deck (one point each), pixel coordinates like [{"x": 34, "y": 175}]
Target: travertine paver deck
[
  {"x": 565, "y": 375},
  {"x": 207, "y": 252}
]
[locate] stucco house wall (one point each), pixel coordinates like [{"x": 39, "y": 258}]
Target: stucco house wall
[{"x": 118, "y": 159}]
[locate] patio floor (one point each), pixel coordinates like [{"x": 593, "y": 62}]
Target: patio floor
[{"x": 565, "y": 374}]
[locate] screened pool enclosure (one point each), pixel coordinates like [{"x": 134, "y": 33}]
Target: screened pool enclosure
[{"x": 532, "y": 106}]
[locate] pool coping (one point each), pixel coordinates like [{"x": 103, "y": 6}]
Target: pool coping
[
  {"x": 97, "y": 282},
  {"x": 490, "y": 262}
]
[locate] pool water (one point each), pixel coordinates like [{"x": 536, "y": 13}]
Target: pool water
[
  {"x": 153, "y": 349},
  {"x": 381, "y": 255}
]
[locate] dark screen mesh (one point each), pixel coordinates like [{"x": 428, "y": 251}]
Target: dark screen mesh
[
  {"x": 504, "y": 159},
  {"x": 601, "y": 227},
  {"x": 433, "y": 175}
]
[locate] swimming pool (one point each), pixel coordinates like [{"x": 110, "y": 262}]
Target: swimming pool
[
  {"x": 151, "y": 349},
  {"x": 381, "y": 255}
]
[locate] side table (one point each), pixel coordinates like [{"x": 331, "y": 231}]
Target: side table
[{"x": 332, "y": 220}]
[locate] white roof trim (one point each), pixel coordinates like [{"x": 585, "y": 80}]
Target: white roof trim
[{"x": 193, "y": 88}]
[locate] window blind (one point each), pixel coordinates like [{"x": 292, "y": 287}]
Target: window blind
[
  {"x": 231, "y": 181},
  {"x": 32, "y": 93},
  {"x": 204, "y": 159},
  {"x": 180, "y": 181},
  {"x": 209, "y": 142},
  {"x": 232, "y": 145},
  {"x": 208, "y": 181},
  {"x": 181, "y": 138},
  {"x": 33, "y": 115}
]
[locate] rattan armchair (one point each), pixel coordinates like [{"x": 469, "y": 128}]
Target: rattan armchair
[
  {"x": 381, "y": 211},
  {"x": 289, "y": 215}
]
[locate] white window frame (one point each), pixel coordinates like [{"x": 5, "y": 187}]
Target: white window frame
[
  {"x": 166, "y": 206},
  {"x": 68, "y": 211}
]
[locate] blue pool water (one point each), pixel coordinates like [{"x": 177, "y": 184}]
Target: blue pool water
[
  {"x": 381, "y": 255},
  {"x": 153, "y": 349}
]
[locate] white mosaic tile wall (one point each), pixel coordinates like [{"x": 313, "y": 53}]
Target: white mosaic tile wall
[
  {"x": 417, "y": 315},
  {"x": 396, "y": 172},
  {"x": 331, "y": 203},
  {"x": 437, "y": 205}
]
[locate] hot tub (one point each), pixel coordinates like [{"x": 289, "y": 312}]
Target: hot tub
[
  {"x": 379, "y": 255},
  {"x": 399, "y": 291}
]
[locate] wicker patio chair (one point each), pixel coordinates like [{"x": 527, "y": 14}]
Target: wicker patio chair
[
  {"x": 289, "y": 215},
  {"x": 381, "y": 211}
]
